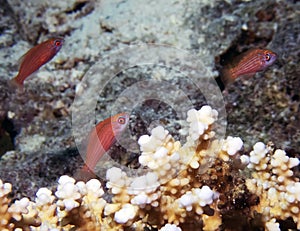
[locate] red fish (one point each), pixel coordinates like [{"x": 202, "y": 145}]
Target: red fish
[
  {"x": 102, "y": 137},
  {"x": 247, "y": 64},
  {"x": 37, "y": 57}
]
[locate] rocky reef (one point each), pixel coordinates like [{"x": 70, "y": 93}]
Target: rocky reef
[{"x": 37, "y": 143}]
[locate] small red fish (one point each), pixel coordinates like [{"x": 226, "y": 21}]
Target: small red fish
[
  {"x": 247, "y": 64},
  {"x": 37, "y": 57},
  {"x": 102, "y": 137}
]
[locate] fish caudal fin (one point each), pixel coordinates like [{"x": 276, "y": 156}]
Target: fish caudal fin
[
  {"x": 84, "y": 174},
  {"x": 227, "y": 77},
  {"x": 14, "y": 83}
]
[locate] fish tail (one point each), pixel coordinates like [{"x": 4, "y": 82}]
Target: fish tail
[
  {"x": 14, "y": 83},
  {"x": 85, "y": 168},
  {"x": 84, "y": 174},
  {"x": 227, "y": 76}
]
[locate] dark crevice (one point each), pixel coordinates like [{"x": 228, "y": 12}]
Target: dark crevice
[
  {"x": 77, "y": 7},
  {"x": 8, "y": 126},
  {"x": 81, "y": 9},
  {"x": 8, "y": 132},
  {"x": 106, "y": 28}
]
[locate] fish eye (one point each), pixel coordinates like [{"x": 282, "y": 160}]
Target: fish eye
[
  {"x": 267, "y": 57},
  {"x": 121, "y": 120},
  {"x": 57, "y": 43}
]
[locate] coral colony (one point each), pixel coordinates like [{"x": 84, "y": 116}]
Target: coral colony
[{"x": 197, "y": 184}]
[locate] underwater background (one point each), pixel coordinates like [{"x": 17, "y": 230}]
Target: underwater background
[{"x": 37, "y": 145}]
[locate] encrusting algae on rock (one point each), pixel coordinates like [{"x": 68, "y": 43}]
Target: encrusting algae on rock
[{"x": 201, "y": 184}]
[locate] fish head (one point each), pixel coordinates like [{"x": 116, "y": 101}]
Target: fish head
[
  {"x": 267, "y": 58},
  {"x": 56, "y": 44},
  {"x": 119, "y": 123}
]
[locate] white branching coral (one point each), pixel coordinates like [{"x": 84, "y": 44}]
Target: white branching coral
[
  {"x": 126, "y": 213},
  {"x": 200, "y": 122},
  {"x": 197, "y": 198},
  {"x": 144, "y": 190},
  {"x": 273, "y": 181},
  {"x": 5, "y": 189},
  {"x": 45, "y": 208},
  {"x": 67, "y": 193},
  {"x": 117, "y": 180},
  {"x": 182, "y": 184},
  {"x": 230, "y": 147},
  {"x": 160, "y": 153},
  {"x": 170, "y": 227},
  {"x": 18, "y": 208}
]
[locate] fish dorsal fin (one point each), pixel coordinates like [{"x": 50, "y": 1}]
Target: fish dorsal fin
[
  {"x": 30, "y": 50},
  {"x": 238, "y": 58}
]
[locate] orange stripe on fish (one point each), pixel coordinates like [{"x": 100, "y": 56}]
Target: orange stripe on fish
[
  {"x": 102, "y": 137},
  {"x": 247, "y": 64},
  {"x": 35, "y": 58}
]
